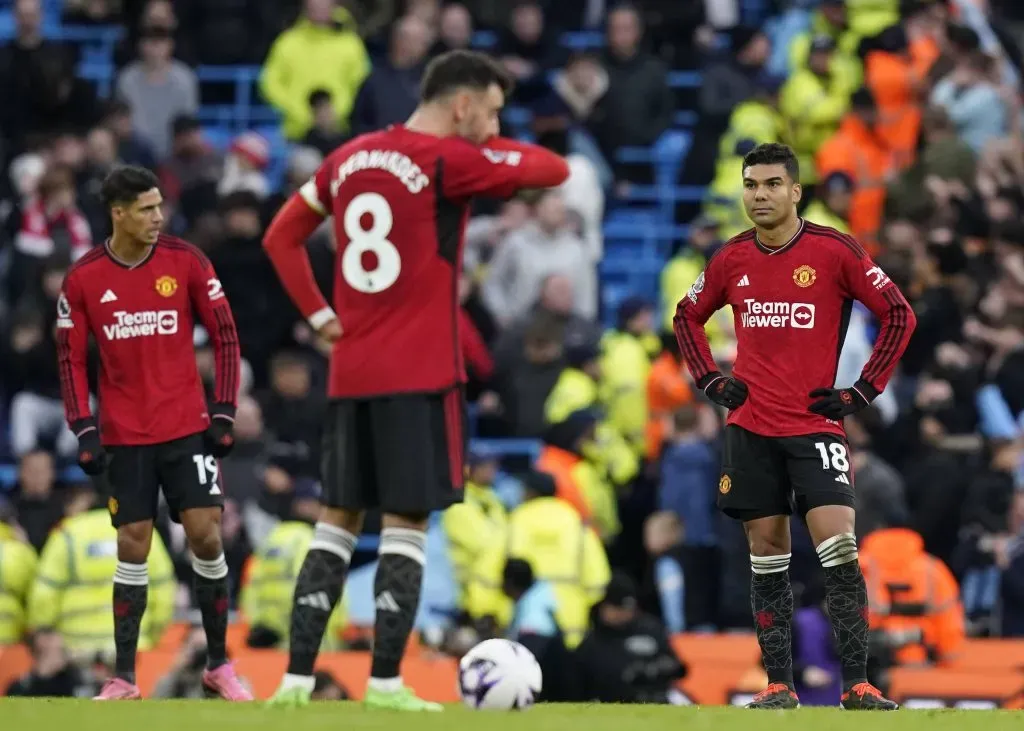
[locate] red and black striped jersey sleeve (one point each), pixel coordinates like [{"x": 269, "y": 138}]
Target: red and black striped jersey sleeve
[
  {"x": 865, "y": 281},
  {"x": 211, "y": 306}
]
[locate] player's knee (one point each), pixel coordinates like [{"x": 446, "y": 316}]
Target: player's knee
[
  {"x": 133, "y": 541},
  {"x": 837, "y": 550},
  {"x": 206, "y": 544},
  {"x": 409, "y": 522},
  {"x": 348, "y": 520}
]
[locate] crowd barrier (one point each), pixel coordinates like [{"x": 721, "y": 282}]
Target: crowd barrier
[{"x": 723, "y": 670}]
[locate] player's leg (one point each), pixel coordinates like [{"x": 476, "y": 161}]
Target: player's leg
[
  {"x": 754, "y": 489},
  {"x": 195, "y": 495},
  {"x": 823, "y": 483},
  {"x": 347, "y": 475},
  {"x": 419, "y": 448},
  {"x": 132, "y": 486}
]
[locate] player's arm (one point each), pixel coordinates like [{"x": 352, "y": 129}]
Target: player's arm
[
  {"x": 865, "y": 281},
  {"x": 285, "y": 244},
  {"x": 499, "y": 168},
  {"x": 72, "y": 361},
  {"x": 706, "y": 296},
  {"x": 211, "y": 305}
]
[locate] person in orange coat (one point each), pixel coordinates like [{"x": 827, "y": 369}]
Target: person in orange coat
[
  {"x": 897, "y": 74},
  {"x": 667, "y": 390},
  {"x": 861, "y": 154},
  {"x": 912, "y": 598}
]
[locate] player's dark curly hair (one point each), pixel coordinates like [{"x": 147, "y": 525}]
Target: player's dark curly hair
[
  {"x": 774, "y": 153},
  {"x": 458, "y": 69},
  {"x": 126, "y": 183}
]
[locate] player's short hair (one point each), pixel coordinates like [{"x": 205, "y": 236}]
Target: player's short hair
[
  {"x": 126, "y": 183},
  {"x": 774, "y": 153},
  {"x": 462, "y": 69}
]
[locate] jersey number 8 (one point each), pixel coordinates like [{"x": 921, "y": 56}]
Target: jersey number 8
[{"x": 373, "y": 241}]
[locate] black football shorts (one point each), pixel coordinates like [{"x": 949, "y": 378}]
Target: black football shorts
[
  {"x": 764, "y": 476},
  {"x": 402, "y": 454},
  {"x": 188, "y": 476}
]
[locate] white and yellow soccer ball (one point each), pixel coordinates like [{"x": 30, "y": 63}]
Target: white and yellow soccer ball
[{"x": 499, "y": 675}]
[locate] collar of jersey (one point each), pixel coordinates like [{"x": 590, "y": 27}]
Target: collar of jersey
[
  {"x": 771, "y": 251},
  {"x": 121, "y": 263}
]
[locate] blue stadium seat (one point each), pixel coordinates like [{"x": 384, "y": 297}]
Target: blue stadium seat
[
  {"x": 583, "y": 40},
  {"x": 684, "y": 79},
  {"x": 484, "y": 39}
]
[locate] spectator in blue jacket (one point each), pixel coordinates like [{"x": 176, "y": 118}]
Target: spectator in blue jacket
[{"x": 689, "y": 478}]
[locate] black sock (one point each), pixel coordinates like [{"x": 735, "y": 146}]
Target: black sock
[
  {"x": 846, "y": 599},
  {"x": 847, "y": 602},
  {"x": 317, "y": 591},
  {"x": 131, "y": 590},
  {"x": 771, "y": 600},
  {"x": 211, "y": 587},
  {"x": 396, "y": 589}
]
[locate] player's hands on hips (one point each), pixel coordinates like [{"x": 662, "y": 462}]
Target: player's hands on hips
[
  {"x": 219, "y": 437},
  {"x": 330, "y": 330},
  {"x": 92, "y": 458},
  {"x": 835, "y": 403},
  {"x": 724, "y": 390}
]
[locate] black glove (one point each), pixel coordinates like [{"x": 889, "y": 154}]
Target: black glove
[
  {"x": 92, "y": 458},
  {"x": 835, "y": 403},
  {"x": 723, "y": 390},
  {"x": 219, "y": 436}
]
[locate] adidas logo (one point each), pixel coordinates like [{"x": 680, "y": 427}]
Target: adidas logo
[
  {"x": 214, "y": 490},
  {"x": 108, "y": 296},
  {"x": 317, "y": 601},
  {"x": 744, "y": 281},
  {"x": 843, "y": 479},
  {"x": 386, "y": 603}
]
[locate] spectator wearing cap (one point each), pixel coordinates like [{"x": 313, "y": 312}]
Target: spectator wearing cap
[
  {"x": 188, "y": 178},
  {"x": 544, "y": 246},
  {"x": 856, "y": 150},
  {"x": 683, "y": 269},
  {"x": 477, "y": 521},
  {"x": 813, "y": 101},
  {"x": 561, "y": 547},
  {"x": 625, "y": 364},
  {"x": 580, "y": 386},
  {"x": 391, "y": 91},
  {"x": 755, "y": 118},
  {"x": 245, "y": 166},
  {"x": 158, "y": 88},
  {"x": 732, "y": 76},
  {"x": 896, "y": 70},
  {"x": 534, "y": 626},
  {"x": 563, "y": 457},
  {"x": 627, "y": 656},
  {"x": 832, "y": 19},
  {"x": 832, "y": 205},
  {"x": 322, "y": 50},
  {"x": 326, "y": 133},
  {"x": 724, "y": 200}
]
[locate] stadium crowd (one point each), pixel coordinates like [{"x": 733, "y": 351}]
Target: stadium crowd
[{"x": 906, "y": 116}]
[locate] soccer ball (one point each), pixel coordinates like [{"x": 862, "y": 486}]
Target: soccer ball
[{"x": 499, "y": 675}]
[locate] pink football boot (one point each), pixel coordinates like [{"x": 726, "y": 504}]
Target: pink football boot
[
  {"x": 225, "y": 683},
  {"x": 118, "y": 689}
]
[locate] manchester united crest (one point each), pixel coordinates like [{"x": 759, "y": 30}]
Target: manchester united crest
[
  {"x": 804, "y": 276},
  {"x": 166, "y": 286},
  {"x": 724, "y": 485},
  {"x": 112, "y": 506}
]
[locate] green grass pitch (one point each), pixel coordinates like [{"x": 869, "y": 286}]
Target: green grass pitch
[{"x": 85, "y": 715}]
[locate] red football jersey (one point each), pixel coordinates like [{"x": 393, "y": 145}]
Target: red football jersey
[
  {"x": 791, "y": 307},
  {"x": 400, "y": 202},
  {"x": 142, "y": 318}
]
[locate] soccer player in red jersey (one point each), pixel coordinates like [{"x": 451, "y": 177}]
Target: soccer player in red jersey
[
  {"x": 791, "y": 285},
  {"x": 138, "y": 295},
  {"x": 394, "y": 437}
]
